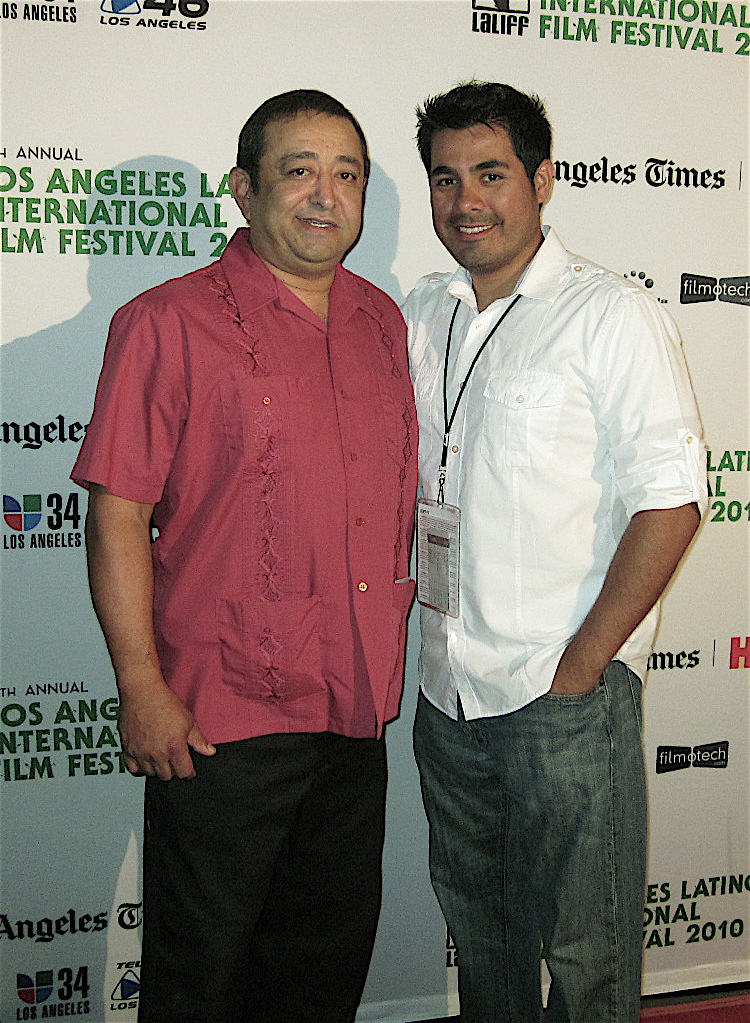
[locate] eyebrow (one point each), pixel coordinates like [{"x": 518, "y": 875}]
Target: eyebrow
[
  {"x": 309, "y": 154},
  {"x": 484, "y": 165}
]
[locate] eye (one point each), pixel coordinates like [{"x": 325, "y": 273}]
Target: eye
[
  {"x": 443, "y": 181},
  {"x": 492, "y": 176},
  {"x": 298, "y": 172},
  {"x": 348, "y": 176}
]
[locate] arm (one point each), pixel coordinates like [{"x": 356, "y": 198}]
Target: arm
[
  {"x": 644, "y": 562},
  {"x": 155, "y": 727}
]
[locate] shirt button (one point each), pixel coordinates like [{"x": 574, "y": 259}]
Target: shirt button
[
  {"x": 455, "y": 449},
  {"x": 520, "y": 399},
  {"x": 353, "y": 456},
  {"x": 360, "y": 521},
  {"x": 690, "y": 440},
  {"x": 362, "y": 587},
  {"x": 267, "y": 400}
]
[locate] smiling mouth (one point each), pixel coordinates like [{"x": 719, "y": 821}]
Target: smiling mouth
[
  {"x": 317, "y": 223},
  {"x": 471, "y": 229}
]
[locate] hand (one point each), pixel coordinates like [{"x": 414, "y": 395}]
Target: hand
[
  {"x": 157, "y": 731},
  {"x": 573, "y": 680}
]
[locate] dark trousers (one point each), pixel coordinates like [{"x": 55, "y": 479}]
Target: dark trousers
[{"x": 262, "y": 882}]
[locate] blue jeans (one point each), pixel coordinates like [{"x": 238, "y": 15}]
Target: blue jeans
[{"x": 538, "y": 850}]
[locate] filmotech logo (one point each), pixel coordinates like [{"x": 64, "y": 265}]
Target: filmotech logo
[
  {"x": 677, "y": 758},
  {"x": 696, "y": 288},
  {"x": 501, "y": 17}
]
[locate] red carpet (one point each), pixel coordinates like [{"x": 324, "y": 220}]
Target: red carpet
[{"x": 718, "y": 1010}]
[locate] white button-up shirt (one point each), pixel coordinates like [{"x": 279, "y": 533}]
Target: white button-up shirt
[{"x": 578, "y": 414}]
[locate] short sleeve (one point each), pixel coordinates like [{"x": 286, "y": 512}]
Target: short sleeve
[{"x": 141, "y": 403}]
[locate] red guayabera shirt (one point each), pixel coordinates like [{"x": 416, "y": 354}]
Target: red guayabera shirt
[{"x": 280, "y": 455}]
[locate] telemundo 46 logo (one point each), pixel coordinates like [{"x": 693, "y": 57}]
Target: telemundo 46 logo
[
  {"x": 120, "y": 7},
  {"x": 156, "y": 13}
]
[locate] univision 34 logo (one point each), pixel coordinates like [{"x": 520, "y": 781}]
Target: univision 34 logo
[{"x": 677, "y": 758}]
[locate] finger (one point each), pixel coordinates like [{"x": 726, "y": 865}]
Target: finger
[
  {"x": 182, "y": 764},
  {"x": 199, "y": 743},
  {"x": 133, "y": 766}
]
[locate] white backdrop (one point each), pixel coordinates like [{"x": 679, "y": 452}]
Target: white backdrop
[{"x": 119, "y": 121}]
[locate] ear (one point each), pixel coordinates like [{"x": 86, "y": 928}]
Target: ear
[
  {"x": 242, "y": 190},
  {"x": 544, "y": 179}
]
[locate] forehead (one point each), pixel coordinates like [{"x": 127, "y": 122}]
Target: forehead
[
  {"x": 466, "y": 147},
  {"x": 313, "y": 133}
]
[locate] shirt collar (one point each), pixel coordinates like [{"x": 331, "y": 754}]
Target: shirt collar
[{"x": 253, "y": 285}]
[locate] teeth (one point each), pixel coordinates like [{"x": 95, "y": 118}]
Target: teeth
[
  {"x": 473, "y": 230},
  {"x": 319, "y": 223}
]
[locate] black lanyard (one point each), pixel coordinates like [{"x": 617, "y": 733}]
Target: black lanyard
[{"x": 448, "y": 423}]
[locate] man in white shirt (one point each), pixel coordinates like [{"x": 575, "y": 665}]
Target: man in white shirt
[{"x": 562, "y": 476}]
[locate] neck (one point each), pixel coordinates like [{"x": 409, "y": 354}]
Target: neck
[
  {"x": 502, "y": 282},
  {"x": 313, "y": 292}
]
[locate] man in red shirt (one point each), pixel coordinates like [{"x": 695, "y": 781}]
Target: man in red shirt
[{"x": 259, "y": 413}]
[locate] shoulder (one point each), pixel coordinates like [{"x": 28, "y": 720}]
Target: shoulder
[
  {"x": 173, "y": 294},
  {"x": 425, "y": 299},
  {"x": 613, "y": 298}
]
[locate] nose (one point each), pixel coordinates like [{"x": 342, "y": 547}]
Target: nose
[
  {"x": 323, "y": 194},
  {"x": 469, "y": 197}
]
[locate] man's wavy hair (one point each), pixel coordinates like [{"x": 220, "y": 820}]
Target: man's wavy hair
[
  {"x": 282, "y": 108},
  {"x": 498, "y": 106}
]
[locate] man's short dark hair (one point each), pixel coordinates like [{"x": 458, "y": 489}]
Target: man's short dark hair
[
  {"x": 498, "y": 106},
  {"x": 281, "y": 108}
]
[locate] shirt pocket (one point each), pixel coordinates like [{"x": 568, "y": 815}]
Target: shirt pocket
[
  {"x": 521, "y": 418},
  {"x": 257, "y": 413}
]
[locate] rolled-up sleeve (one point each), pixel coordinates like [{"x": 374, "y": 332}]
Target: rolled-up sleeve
[{"x": 645, "y": 402}]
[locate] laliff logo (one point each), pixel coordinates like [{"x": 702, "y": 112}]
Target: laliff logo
[
  {"x": 129, "y": 915},
  {"x": 501, "y": 17},
  {"x": 33, "y": 990},
  {"x": 697, "y": 288},
  {"x": 677, "y": 758}
]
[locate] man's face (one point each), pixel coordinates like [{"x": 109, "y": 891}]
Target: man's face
[
  {"x": 307, "y": 210},
  {"x": 485, "y": 210}
]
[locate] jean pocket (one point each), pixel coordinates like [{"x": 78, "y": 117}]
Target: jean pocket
[
  {"x": 272, "y": 649},
  {"x": 575, "y": 697}
]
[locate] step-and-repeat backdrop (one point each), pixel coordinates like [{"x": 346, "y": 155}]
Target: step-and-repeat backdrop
[{"x": 119, "y": 124}]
